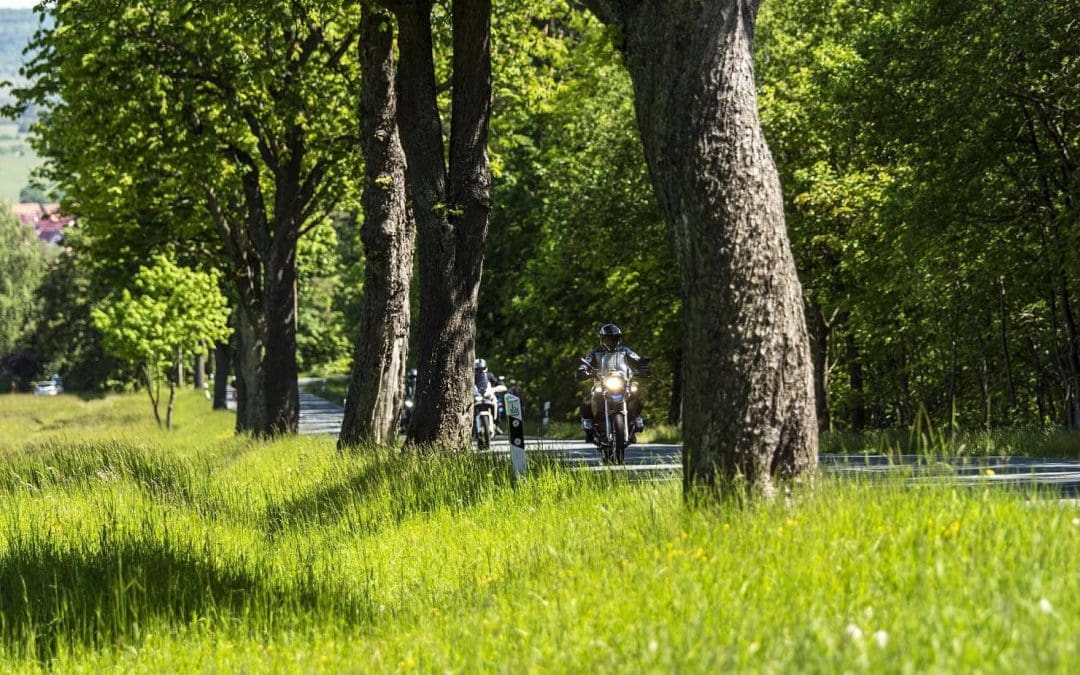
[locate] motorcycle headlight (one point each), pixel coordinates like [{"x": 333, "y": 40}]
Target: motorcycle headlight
[{"x": 614, "y": 384}]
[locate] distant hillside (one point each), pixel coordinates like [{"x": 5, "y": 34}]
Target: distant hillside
[{"x": 17, "y": 28}]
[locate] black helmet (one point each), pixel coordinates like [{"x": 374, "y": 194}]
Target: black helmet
[
  {"x": 411, "y": 372},
  {"x": 610, "y": 336}
]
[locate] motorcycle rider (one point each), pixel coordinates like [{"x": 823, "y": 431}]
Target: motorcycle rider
[
  {"x": 482, "y": 377},
  {"x": 483, "y": 380},
  {"x": 611, "y": 341},
  {"x": 409, "y": 402}
]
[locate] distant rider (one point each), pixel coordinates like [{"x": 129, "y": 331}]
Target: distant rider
[
  {"x": 611, "y": 342},
  {"x": 483, "y": 380}
]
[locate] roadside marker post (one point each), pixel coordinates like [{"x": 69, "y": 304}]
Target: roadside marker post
[
  {"x": 517, "y": 435},
  {"x": 545, "y": 421}
]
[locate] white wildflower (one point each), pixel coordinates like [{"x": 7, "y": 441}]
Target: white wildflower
[
  {"x": 1045, "y": 606},
  {"x": 881, "y": 638},
  {"x": 853, "y": 632}
]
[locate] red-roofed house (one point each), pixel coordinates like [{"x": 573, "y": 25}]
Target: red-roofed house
[{"x": 46, "y": 219}]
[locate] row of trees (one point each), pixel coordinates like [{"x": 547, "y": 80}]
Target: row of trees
[
  {"x": 234, "y": 133},
  {"x": 927, "y": 153}
]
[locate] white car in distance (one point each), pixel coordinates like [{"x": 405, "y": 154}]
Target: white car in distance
[{"x": 47, "y": 388}]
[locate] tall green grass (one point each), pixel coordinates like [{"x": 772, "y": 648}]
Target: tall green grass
[
  {"x": 161, "y": 552},
  {"x": 1053, "y": 442}
]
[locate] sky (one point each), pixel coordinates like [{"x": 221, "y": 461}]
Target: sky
[{"x": 17, "y": 4}]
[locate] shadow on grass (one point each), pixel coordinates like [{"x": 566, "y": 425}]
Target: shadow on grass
[
  {"x": 56, "y": 598},
  {"x": 390, "y": 488},
  {"x": 56, "y": 463}
]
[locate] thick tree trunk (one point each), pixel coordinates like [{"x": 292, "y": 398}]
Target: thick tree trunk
[
  {"x": 248, "y": 361},
  {"x": 378, "y": 372},
  {"x": 748, "y": 407},
  {"x": 222, "y": 360},
  {"x": 451, "y": 208},
  {"x": 200, "y": 372},
  {"x": 281, "y": 391}
]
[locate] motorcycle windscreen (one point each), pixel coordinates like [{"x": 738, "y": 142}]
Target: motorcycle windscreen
[
  {"x": 613, "y": 362},
  {"x": 480, "y": 381}
]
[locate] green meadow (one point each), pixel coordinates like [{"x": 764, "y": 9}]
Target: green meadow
[{"x": 125, "y": 548}]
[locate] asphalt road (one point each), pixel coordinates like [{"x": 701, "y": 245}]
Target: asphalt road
[{"x": 658, "y": 461}]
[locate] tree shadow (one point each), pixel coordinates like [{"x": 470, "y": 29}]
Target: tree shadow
[
  {"x": 54, "y": 463},
  {"x": 54, "y": 598},
  {"x": 392, "y": 488}
]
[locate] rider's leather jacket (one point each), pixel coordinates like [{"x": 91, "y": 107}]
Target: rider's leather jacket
[{"x": 636, "y": 361}]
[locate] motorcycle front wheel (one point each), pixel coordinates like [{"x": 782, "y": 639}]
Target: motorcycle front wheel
[
  {"x": 487, "y": 432},
  {"x": 618, "y": 431}
]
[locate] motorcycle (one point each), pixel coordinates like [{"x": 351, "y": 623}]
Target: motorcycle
[
  {"x": 406, "y": 414},
  {"x": 485, "y": 409},
  {"x": 612, "y": 391},
  {"x": 409, "y": 403}
]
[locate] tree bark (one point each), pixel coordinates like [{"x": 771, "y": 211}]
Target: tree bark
[
  {"x": 378, "y": 372},
  {"x": 250, "y": 408},
  {"x": 748, "y": 408},
  {"x": 200, "y": 372},
  {"x": 450, "y": 207},
  {"x": 222, "y": 360},
  {"x": 281, "y": 391}
]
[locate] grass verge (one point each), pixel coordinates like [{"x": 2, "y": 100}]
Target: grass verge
[{"x": 150, "y": 551}]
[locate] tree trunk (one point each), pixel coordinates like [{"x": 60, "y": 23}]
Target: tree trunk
[
  {"x": 378, "y": 372},
  {"x": 172, "y": 399},
  {"x": 451, "y": 208},
  {"x": 222, "y": 359},
  {"x": 748, "y": 408},
  {"x": 250, "y": 408},
  {"x": 200, "y": 372},
  {"x": 151, "y": 381},
  {"x": 281, "y": 393}
]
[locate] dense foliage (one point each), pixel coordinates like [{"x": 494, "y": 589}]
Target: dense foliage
[
  {"x": 22, "y": 262},
  {"x": 928, "y": 156}
]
